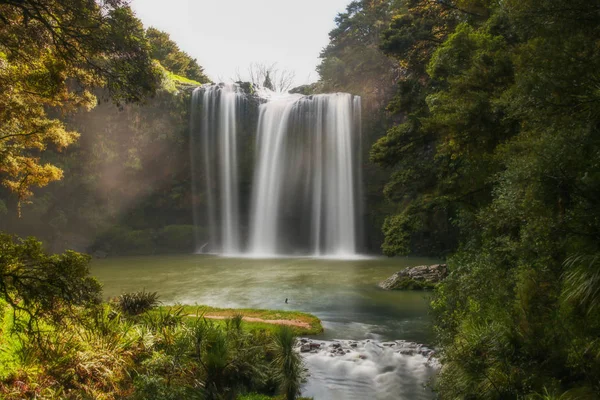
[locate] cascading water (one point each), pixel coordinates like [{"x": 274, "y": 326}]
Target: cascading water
[
  {"x": 303, "y": 193},
  {"x": 215, "y": 153},
  {"x": 304, "y": 198}
]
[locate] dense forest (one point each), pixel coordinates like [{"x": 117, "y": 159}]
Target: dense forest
[
  {"x": 482, "y": 146},
  {"x": 492, "y": 147}
]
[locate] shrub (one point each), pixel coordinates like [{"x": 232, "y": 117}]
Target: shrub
[
  {"x": 287, "y": 362},
  {"x": 176, "y": 238},
  {"x": 136, "y": 303}
]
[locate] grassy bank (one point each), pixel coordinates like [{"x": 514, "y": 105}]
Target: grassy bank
[
  {"x": 300, "y": 322},
  {"x": 126, "y": 350}
]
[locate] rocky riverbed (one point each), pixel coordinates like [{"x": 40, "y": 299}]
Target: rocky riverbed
[{"x": 360, "y": 369}]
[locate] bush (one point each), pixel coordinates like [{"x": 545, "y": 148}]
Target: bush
[
  {"x": 137, "y": 302},
  {"x": 121, "y": 240},
  {"x": 287, "y": 362},
  {"x": 176, "y": 238},
  {"x": 41, "y": 285}
]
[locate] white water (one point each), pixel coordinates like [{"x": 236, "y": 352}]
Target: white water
[
  {"x": 304, "y": 191},
  {"x": 367, "y": 369},
  {"x": 217, "y": 127},
  {"x": 305, "y": 175}
]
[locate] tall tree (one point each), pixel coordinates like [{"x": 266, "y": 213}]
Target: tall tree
[
  {"x": 352, "y": 61},
  {"x": 497, "y": 138},
  {"x": 168, "y": 53},
  {"x": 53, "y": 55}
]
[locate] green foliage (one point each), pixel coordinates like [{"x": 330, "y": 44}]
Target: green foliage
[
  {"x": 55, "y": 55},
  {"x": 122, "y": 240},
  {"x": 313, "y": 323},
  {"x": 162, "y": 354},
  {"x": 412, "y": 284},
  {"x": 136, "y": 303},
  {"x": 352, "y": 60},
  {"x": 173, "y": 59},
  {"x": 177, "y": 237},
  {"x": 288, "y": 363},
  {"x": 582, "y": 282},
  {"x": 127, "y": 188},
  {"x": 37, "y": 285},
  {"x": 492, "y": 156}
]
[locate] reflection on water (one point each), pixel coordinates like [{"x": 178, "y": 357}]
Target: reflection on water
[{"x": 343, "y": 294}]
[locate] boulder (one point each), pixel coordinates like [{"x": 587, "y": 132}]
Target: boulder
[
  {"x": 420, "y": 277},
  {"x": 100, "y": 254}
]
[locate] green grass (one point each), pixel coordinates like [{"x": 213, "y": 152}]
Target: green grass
[
  {"x": 8, "y": 343},
  {"x": 182, "y": 79},
  {"x": 314, "y": 322}
]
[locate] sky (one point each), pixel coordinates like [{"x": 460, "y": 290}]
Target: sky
[{"x": 226, "y": 36}]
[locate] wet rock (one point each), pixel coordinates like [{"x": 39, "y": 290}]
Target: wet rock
[
  {"x": 100, "y": 254},
  {"x": 314, "y": 346},
  {"x": 420, "y": 277},
  {"x": 305, "y": 348}
]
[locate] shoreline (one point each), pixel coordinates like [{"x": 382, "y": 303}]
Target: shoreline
[{"x": 302, "y": 323}]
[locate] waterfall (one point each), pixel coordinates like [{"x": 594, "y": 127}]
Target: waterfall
[
  {"x": 215, "y": 153},
  {"x": 303, "y": 191},
  {"x": 304, "y": 180}
]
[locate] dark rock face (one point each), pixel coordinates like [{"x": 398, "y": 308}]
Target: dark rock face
[
  {"x": 99, "y": 254},
  {"x": 416, "y": 278}
]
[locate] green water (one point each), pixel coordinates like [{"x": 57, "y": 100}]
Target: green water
[{"x": 342, "y": 293}]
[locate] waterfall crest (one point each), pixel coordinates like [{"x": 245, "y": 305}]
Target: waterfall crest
[{"x": 304, "y": 191}]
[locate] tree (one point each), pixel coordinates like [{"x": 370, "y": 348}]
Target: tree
[
  {"x": 269, "y": 76},
  {"x": 267, "y": 82},
  {"x": 353, "y": 61},
  {"x": 53, "y": 57},
  {"x": 501, "y": 145},
  {"x": 39, "y": 285},
  {"x": 172, "y": 58}
]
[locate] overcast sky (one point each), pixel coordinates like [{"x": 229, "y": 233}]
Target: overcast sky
[{"x": 226, "y": 36}]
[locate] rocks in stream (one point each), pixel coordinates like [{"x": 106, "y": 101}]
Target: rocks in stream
[
  {"x": 308, "y": 346},
  {"x": 360, "y": 349},
  {"x": 416, "y": 278}
]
